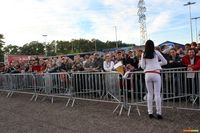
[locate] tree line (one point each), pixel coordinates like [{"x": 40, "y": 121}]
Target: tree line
[{"x": 58, "y": 47}]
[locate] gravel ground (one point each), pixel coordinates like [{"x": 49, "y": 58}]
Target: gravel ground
[{"x": 19, "y": 115}]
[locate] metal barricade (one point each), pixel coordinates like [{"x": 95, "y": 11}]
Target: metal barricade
[
  {"x": 53, "y": 85},
  {"x": 172, "y": 84},
  {"x": 179, "y": 89},
  {"x": 134, "y": 90},
  {"x": 97, "y": 86},
  {"x": 20, "y": 83},
  {"x": 4, "y": 82}
]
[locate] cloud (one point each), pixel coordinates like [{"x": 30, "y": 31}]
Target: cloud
[
  {"x": 23, "y": 21},
  {"x": 164, "y": 1},
  {"x": 159, "y": 22}
]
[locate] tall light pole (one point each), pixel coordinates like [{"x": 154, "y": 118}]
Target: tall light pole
[
  {"x": 45, "y": 44},
  {"x": 199, "y": 35},
  {"x": 95, "y": 45},
  {"x": 55, "y": 50},
  {"x": 195, "y": 18},
  {"x": 116, "y": 36},
  {"x": 189, "y": 4}
]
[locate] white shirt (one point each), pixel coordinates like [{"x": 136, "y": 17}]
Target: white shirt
[
  {"x": 153, "y": 64},
  {"x": 108, "y": 66},
  {"x": 192, "y": 61}
]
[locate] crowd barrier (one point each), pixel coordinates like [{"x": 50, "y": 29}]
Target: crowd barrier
[
  {"x": 180, "y": 88},
  {"x": 53, "y": 85},
  {"x": 23, "y": 83}
]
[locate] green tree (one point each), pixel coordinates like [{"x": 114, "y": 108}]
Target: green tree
[
  {"x": 11, "y": 49},
  {"x": 63, "y": 47},
  {"x": 33, "y": 48},
  {"x": 52, "y": 48}
]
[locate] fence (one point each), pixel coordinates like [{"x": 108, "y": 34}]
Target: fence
[
  {"x": 180, "y": 88},
  {"x": 53, "y": 85},
  {"x": 23, "y": 83}
]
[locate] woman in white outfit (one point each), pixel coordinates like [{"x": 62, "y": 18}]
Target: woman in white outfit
[
  {"x": 108, "y": 64},
  {"x": 151, "y": 62},
  {"x": 110, "y": 76}
]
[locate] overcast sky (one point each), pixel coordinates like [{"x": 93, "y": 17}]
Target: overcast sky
[{"x": 23, "y": 21}]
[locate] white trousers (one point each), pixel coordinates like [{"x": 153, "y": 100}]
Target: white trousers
[{"x": 153, "y": 85}]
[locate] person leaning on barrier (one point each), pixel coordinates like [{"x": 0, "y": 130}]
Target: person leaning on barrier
[
  {"x": 187, "y": 46},
  {"x": 193, "y": 45},
  {"x": 7, "y": 68},
  {"x": 66, "y": 65},
  {"x": 180, "y": 51},
  {"x": 98, "y": 62},
  {"x": 139, "y": 53},
  {"x": 16, "y": 69},
  {"x": 174, "y": 60},
  {"x": 152, "y": 66},
  {"x": 191, "y": 61},
  {"x": 119, "y": 62},
  {"x": 198, "y": 52},
  {"x": 198, "y": 46},
  {"x": 165, "y": 49},
  {"x": 77, "y": 64},
  {"x": 131, "y": 60},
  {"x": 108, "y": 64},
  {"x": 89, "y": 64}
]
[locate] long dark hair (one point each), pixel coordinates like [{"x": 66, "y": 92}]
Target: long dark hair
[{"x": 149, "y": 49}]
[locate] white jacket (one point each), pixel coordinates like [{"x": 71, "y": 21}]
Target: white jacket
[{"x": 153, "y": 64}]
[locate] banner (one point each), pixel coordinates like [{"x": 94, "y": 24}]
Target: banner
[{"x": 20, "y": 58}]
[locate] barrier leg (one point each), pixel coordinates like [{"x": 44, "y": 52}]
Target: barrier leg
[
  {"x": 32, "y": 97},
  {"x": 138, "y": 110},
  {"x": 52, "y": 99},
  {"x": 73, "y": 102},
  {"x": 67, "y": 102},
  {"x": 129, "y": 110},
  {"x": 11, "y": 94},
  {"x": 116, "y": 108},
  {"x": 194, "y": 101},
  {"x": 122, "y": 106},
  {"x": 36, "y": 97},
  {"x": 8, "y": 94}
]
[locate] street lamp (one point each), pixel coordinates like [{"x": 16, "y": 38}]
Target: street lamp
[
  {"x": 45, "y": 40},
  {"x": 95, "y": 45},
  {"x": 116, "y": 36},
  {"x": 55, "y": 50},
  {"x": 196, "y": 27},
  {"x": 188, "y": 4}
]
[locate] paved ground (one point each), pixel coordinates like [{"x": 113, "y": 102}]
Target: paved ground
[{"x": 19, "y": 115}]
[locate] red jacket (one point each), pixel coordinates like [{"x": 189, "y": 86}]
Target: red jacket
[
  {"x": 186, "y": 62},
  {"x": 36, "y": 68}
]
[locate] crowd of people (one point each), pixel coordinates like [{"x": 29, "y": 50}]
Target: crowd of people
[
  {"x": 189, "y": 57},
  {"x": 151, "y": 60}
]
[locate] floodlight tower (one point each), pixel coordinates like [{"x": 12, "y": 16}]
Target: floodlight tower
[
  {"x": 189, "y": 4},
  {"x": 142, "y": 21}
]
